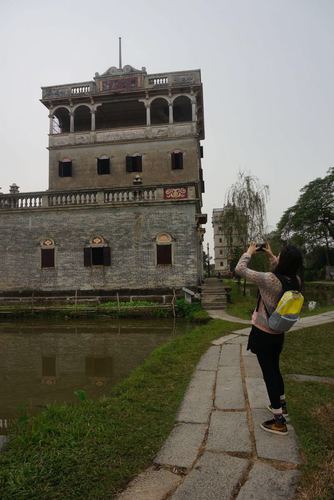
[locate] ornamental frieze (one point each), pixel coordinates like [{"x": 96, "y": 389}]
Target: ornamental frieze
[{"x": 179, "y": 193}]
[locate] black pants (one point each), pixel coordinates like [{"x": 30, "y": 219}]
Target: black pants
[{"x": 268, "y": 348}]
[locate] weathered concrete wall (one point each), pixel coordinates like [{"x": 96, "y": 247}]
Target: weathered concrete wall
[
  {"x": 156, "y": 161},
  {"x": 130, "y": 232}
]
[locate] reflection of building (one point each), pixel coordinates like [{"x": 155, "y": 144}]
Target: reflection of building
[
  {"x": 42, "y": 364},
  {"x": 227, "y": 241},
  {"x": 123, "y": 208}
]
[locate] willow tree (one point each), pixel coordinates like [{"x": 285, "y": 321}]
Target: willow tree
[{"x": 244, "y": 215}]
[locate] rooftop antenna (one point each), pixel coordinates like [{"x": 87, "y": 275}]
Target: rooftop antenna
[{"x": 120, "y": 52}]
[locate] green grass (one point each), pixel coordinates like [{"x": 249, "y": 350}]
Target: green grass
[
  {"x": 309, "y": 351},
  {"x": 311, "y": 407},
  {"x": 91, "y": 450}
]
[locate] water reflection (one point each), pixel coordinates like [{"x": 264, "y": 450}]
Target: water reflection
[{"x": 45, "y": 362}]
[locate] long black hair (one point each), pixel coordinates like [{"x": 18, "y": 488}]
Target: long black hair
[{"x": 290, "y": 263}]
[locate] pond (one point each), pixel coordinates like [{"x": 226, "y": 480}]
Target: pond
[{"x": 43, "y": 362}]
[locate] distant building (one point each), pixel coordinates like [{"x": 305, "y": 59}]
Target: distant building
[
  {"x": 123, "y": 207},
  {"x": 226, "y": 242}
]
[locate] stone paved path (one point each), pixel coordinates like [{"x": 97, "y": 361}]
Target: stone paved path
[{"x": 217, "y": 449}]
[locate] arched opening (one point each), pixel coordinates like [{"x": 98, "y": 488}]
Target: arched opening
[
  {"x": 61, "y": 121},
  {"x": 82, "y": 119},
  {"x": 120, "y": 114},
  {"x": 182, "y": 111},
  {"x": 159, "y": 111}
]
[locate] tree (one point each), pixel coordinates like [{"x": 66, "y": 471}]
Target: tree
[
  {"x": 310, "y": 222},
  {"x": 244, "y": 216}
]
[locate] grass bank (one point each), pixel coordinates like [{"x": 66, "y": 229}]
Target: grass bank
[
  {"x": 92, "y": 449},
  {"x": 128, "y": 309},
  {"x": 311, "y": 407}
]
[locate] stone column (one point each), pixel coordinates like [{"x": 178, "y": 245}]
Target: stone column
[
  {"x": 93, "y": 119},
  {"x": 194, "y": 110},
  {"x": 51, "y": 124},
  {"x": 148, "y": 114},
  {"x": 171, "y": 120},
  {"x": 71, "y": 121}
]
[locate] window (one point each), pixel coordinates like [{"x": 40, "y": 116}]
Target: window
[
  {"x": 221, "y": 263},
  {"x": 103, "y": 166},
  {"x": 221, "y": 252},
  {"x": 47, "y": 257},
  {"x": 65, "y": 168},
  {"x": 220, "y": 240},
  {"x": 177, "y": 161},
  {"x": 164, "y": 254},
  {"x": 164, "y": 249},
  {"x": 134, "y": 163},
  {"x": 98, "y": 254}
]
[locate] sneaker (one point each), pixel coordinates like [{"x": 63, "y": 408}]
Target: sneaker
[
  {"x": 276, "y": 426},
  {"x": 284, "y": 409}
]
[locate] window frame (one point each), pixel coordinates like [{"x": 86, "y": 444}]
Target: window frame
[
  {"x": 100, "y": 167},
  {"x": 177, "y": 160},
  {"x": 134, "y": 163},
  {"x": 62, "y": 166},
  {"x": 164, "y": 240}
]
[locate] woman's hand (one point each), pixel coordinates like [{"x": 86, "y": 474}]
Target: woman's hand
[
  {"x": 268, "y": 250},
  {"x": 251, "y": 249}
]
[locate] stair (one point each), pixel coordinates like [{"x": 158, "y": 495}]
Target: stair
[{"x": 213, "y": 295}]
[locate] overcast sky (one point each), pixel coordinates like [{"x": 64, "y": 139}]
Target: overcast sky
[{"x": 267, "y": 72}]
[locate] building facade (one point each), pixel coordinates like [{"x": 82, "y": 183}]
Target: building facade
[
  {"x": 123, "y": 206},
  {"x": 227, "y": 241}
]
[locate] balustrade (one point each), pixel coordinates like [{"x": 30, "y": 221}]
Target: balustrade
[
  {"x": 28, "y": 200},
  {"x": 135, "y": 195},
  {"x": 72, "y": 198},
  {"x": 51, "y": 199}
]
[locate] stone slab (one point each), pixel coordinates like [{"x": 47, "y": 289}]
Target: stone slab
[
  {"x": 266, "y": 482},
  {"x": 3, "y": 441},
  {"x": 252, "y": 367},
  {"x": 229, "y": 390},
  {"x": 257, "y": 392},
  {"x": 225, "y": 338},
  {"x": 239, "y": 339},
  {"x": 273, "y": 446},
  {"x": 229, "y": 432},
  {"x": 230, "y": 355},
  {"x": 198, "y": 401},
  {"x": 151, "y": 485},
  {"x": 182, "y": 446},
  {"x": 244, "y": 351},
  {"x": 214, "y": 477},
  {"x": 243, "y": 331},
  {"x": 209, "y": 360}
]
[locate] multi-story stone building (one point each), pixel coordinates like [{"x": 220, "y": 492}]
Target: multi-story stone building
[
  {"x": 227, "y": 241},
  {"x": 123, "y": 206}
]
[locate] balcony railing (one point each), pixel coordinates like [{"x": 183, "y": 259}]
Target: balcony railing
[
  {"x": 80, "y": 197},
  {"x": 25, "y": 200}
]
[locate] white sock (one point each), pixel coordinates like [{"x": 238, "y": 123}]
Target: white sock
[
  {"x": 277, "y": 411},
  {"x": 282, "y": 398}
]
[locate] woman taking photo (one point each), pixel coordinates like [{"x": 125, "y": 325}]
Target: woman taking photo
[{"x": 264, "y": 342}]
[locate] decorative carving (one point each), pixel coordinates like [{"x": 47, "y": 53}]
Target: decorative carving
[
  {"x": 47, "y": 243},
  {"x": 97, "y": 240},
  {"x": 179, "y": 193},
  {"x": 164, "y": 238}
]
